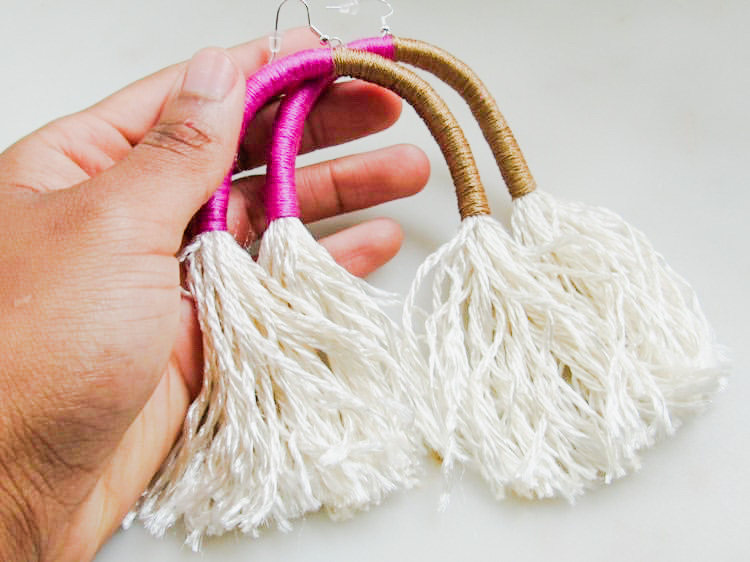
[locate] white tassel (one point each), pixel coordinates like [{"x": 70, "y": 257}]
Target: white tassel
[
  {"x": 285, "y": 422},
  {"x": 293, "y": 257},
  {"x": 612, "y": 267},
  {"x": 533, "y": 392},
  {"x": 224, "y": 471}
]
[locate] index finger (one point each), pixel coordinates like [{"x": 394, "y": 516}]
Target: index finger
[{"x": 136, "y": 108}]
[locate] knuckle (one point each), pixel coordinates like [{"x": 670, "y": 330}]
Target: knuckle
[
  {"x": 332, "y": 173},
  {"x": 315, "y": 134},
  {"x": 182, "y": 138}
]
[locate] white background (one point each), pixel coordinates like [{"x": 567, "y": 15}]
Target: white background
[{"x": 639, "y": 106}]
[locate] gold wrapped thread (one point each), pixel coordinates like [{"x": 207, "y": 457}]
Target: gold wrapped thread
[
  {"x": 464, "y": 80},
  {"x": 434, "y": 112}
]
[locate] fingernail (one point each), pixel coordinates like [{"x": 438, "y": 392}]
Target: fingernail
[{"x": 210, "y": 75}]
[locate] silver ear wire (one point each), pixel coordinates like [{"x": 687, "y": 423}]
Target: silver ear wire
[
  {"x": 275, "y": 38},
  {"x": 352, "y": 7},
  {"x": 385, "y": 29}
]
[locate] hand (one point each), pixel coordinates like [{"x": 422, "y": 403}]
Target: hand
[{"x": 101, "y": 355}]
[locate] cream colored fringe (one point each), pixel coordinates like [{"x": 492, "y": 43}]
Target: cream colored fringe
[
  {"x": 305, "y": 268},
  {"x": 531, "y": 389},
  {"x": 612, "y": 268},
  {"x": 293, "y": 415}
]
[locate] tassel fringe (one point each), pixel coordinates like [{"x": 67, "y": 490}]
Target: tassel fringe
[
  {"x": 289, "y": 419},
  {"x": 532, "y": 390},
  {"x": 612, "y": 268},
  {"x": 295, "y": 259}
]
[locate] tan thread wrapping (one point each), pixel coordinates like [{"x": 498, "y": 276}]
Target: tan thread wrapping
[
  {"x": 464, "y": 80},
  {"x": 434, "y": 112}
]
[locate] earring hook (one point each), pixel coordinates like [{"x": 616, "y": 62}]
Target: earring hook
[
  {"x": 352, "y": 7},
  {"x": 275, "y": 37}
]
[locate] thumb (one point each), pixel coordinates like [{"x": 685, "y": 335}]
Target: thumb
[{"x": 181, "y": 161}]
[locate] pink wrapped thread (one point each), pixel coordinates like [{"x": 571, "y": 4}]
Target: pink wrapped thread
[
  {"x": 281, "y": 190},
  {"x": 268, "y": 82}
]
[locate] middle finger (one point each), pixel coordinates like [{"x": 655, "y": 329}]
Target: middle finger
[{"x": 333, "y": 187}]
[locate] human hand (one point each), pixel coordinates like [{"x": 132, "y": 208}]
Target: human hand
[{"x": 102, "y": 355}]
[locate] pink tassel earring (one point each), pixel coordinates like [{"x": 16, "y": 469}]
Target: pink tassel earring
[{"x": 292, "y": 416}]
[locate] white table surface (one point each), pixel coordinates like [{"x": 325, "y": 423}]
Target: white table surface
[{"x": 639, "y": 106}]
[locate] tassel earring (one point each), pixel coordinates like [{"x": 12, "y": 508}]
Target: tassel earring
[
  {"x": 608, "y": 266},
  {"x": 647, "y": 310},
  {"x": 287, "y": 421},
  {"x": 287, "y": 243},
  {"x": 303, "y": 267}
]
